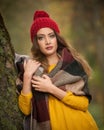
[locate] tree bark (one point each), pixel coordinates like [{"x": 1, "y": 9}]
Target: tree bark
[{"x": 10, "y": 116}]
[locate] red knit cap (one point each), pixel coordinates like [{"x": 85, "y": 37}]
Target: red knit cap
[{"x": 42, "y": 20}]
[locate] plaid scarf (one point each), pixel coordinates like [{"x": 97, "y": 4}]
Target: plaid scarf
[{"x": 67, "y": 71}]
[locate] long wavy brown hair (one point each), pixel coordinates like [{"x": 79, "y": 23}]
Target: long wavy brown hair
[{"x": 39, "y": 56}]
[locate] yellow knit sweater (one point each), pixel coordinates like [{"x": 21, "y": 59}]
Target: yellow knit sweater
[{"x": 68, "y": 114}]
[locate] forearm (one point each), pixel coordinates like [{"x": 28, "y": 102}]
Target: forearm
[
  {"x": 57, "y": 92},
  {"x": 26, "y": 84},
  {"x": 76, "y": 102},
  {"x": 68, "y": 98}
]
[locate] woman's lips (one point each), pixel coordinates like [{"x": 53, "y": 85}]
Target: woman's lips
[{"x": 49, "y": 47}]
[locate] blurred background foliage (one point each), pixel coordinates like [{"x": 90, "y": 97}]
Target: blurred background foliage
[{"x": 81, "y": 23}]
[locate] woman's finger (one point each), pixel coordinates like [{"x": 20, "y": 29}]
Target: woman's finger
[
  {"x": 24, "y": 64},
  {"x": 45, "y": 76},
  {"x": 36, "y": 78}
]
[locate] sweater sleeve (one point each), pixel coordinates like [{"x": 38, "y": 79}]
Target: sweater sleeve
[
  {"x": 25, "y": 103},
  {"x": 75, "y": 101}
]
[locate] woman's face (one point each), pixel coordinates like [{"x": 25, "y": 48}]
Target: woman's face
[{"x": 47, "y": 41}]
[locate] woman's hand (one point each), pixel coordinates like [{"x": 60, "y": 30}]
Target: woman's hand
[
  {"x": 43, "y": 84},
  {"x": 30, "y": 67}
]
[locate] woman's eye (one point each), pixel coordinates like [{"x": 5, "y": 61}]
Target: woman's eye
[
  {"x": 52, "y": 36},
  {"x": 40, "y": 38}
]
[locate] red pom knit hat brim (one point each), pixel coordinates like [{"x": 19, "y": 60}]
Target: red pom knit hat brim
[{"x": 42, "y": 20}]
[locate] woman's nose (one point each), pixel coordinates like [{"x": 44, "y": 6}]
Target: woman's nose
[{"x": 47, "y": 40}]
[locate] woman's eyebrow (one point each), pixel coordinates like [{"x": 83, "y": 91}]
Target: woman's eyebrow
[
  {"x": 40, "y": 34},
  {"x": 51, "y": 33},
  {"x": 45, "y": 34}
]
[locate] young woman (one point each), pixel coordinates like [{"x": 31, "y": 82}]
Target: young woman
[{"x": 55, "y": 90}]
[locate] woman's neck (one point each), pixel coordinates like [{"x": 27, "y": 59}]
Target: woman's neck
[{"x": 53, "y": 59}]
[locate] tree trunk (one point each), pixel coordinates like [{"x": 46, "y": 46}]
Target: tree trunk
[{"x": 10, "y": 116}]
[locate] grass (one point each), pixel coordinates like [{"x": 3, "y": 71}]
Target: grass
[{"x": 97, "y": 112}]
